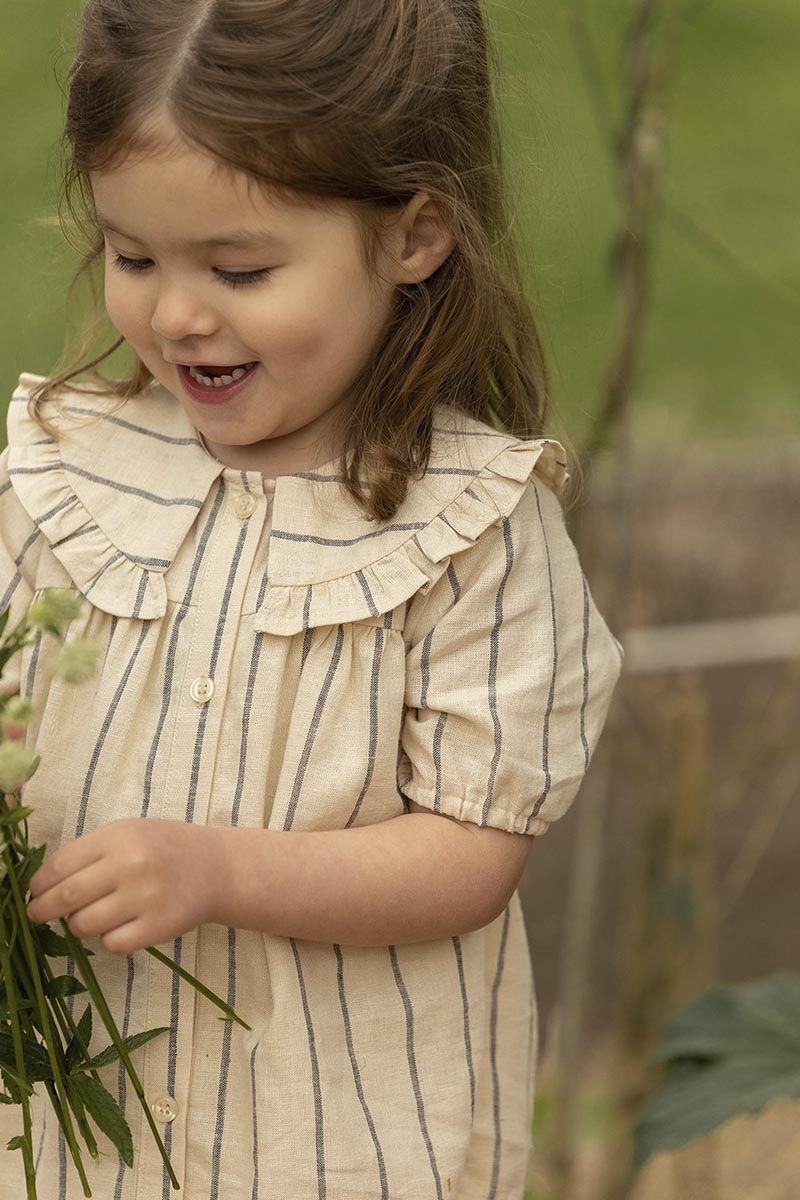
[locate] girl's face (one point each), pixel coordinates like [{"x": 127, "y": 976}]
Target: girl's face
[{"x": 201, "y": 269}]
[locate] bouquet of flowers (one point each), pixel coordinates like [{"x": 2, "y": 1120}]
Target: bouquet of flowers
[{"x": 39, "y": 1040}]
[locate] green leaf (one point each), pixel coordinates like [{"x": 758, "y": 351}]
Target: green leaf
[
  {"x": 29, "y": 866},
  {"x": 733, "y": 1020},
  {"x": 130, "y": 1043},
  {"x": 732, "y": 1051},
  {"x": 21, "y": 1004},
  {"x": 16, "y": 1143},
  {"x": 17, "y": 1086},
  {"x": 72, "y": 1056},
  {"x": 34, "y": 1056},
  {"x": 13, "y": 816},
  {"x": 63, "y": 985},
  {"x": 52, "y": 943},
  {"x": 102, "y": 1106},
  {"x": 4, "y": 619},
  {"x": 34, "y": 767}
]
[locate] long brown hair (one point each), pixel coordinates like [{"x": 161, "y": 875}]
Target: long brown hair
[{"x": 363, "y": 101}]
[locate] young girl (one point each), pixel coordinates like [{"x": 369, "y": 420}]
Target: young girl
[{"x": 350, "y": 664}]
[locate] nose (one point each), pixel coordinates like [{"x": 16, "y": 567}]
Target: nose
[{"x": 181, "y": 312}]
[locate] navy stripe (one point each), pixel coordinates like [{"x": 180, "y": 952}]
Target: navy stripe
[
  {"x": 551, "y": 695},
  {"x": 412, "y": 1067},
  {"x": 373, "y": 610},
  {"x": 319, "y": 1140},
  {"x": 467, "y": 1038},
  {"x": 374, "y": 683},
  {"x": 231, "y": 997},
  {"x": 494, "y": 651},
  {"x": 492, "y": 1193},
  {"x": 172, "y": 648},
  {"x": 111, "y": 484},
  {"x": 254, "y": 1193},
  {"x": 12, "y": 587},
  {"x": 585, "y": 660},
  {"x": 122, "y": 1076},
  {"x": 151, "y": 433},
  {"x": 71, "y": 536},
  {"x": 312, "y": 732},
  {"x": 285, "y": 535},
  {"x": 357, "y": 1075}
]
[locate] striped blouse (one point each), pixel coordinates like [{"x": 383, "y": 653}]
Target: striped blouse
[{"x": 274, "y": 659}]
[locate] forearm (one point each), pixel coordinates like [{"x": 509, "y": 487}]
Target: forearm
[{"x": 410, "y": 879}]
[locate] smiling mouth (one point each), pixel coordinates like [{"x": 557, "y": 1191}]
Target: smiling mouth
[{"x": 219, "y": 376}]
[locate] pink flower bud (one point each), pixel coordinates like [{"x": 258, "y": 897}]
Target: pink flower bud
[{"x": 14, "y": 731}]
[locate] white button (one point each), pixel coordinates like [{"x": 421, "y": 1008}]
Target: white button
[
  {"x": 202, "y": 689},
  {"x": 165, "y": 1109},
  {"x": 244, "y": 505}
]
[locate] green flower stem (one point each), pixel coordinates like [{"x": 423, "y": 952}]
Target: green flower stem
[
  {"x": 209, "y": 995},
  {"x": 82, "y": 961},
  {"x": 27, "y": 1149},
  {"x": 65, "y": 1018},
  {"x": 50, "y": 1035},
  {"x": 18, "y": 969}
]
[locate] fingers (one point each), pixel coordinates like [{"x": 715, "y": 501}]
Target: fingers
[
  {"x": 73, "y": 894},
  {"x": 61, "y": 866},
  {"x": 99, "y": 918}
]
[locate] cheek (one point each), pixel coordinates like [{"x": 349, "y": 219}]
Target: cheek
[
  {"x": 127, "y": 306},
  {"x": 333, "y": 326},
  {"x": 120, "y": 304}
]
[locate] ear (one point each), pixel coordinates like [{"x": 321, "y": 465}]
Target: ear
[{"x": 421, "y": 241}]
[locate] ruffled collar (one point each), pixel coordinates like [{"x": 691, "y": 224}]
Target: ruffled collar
[{"x": 117, "y": 498}]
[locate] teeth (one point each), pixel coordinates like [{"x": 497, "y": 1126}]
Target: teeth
[{"x": 219, "y": 381}]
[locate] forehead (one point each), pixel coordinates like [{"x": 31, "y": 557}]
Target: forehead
[{"x": 186, "y": 199}]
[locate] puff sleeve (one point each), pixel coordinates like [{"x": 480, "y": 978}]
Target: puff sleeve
[
  {"x": 20, "y": 546},
  {"x": 510, "y": 669}
]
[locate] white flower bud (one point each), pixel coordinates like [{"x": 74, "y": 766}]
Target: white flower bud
[
  {"x": 54, "y": 608},
  {"x": 77, "y": 661},
  {"x": 16, "y": 765}
]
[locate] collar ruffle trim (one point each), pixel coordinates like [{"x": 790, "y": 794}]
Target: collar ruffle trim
[{"x": 324, "y": 568}]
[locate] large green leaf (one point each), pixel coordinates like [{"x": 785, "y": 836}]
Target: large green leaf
[
  {"x": 106, "y": 1112},
  {"x": 733, "y": 1050},
  {"x": 34, "y": 1056},
  {"x": 738, "y": 1019},
  {"x": 130, "y": 1043}
]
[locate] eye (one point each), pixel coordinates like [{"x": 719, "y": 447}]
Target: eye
[{"x": 233, "y": 279}]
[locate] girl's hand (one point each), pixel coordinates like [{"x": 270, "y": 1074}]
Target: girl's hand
[{"x": 134, "y": 883}]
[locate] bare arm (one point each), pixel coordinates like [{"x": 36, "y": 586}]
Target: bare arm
[{"x": 417, "y": 877}]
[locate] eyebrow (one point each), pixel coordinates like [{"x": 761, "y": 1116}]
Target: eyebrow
[{"x": 231, "y": 237}]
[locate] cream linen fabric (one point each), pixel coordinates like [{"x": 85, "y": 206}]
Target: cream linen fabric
[{"x": 452, "y": 655}]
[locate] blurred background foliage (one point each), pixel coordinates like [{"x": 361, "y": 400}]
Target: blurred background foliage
[{"x": 721, "y": 355}]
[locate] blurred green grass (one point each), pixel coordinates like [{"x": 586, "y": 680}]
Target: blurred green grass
[{"x": 721, "y": 355}]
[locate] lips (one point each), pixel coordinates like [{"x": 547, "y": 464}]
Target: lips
[{"x": 205, "y": 394}]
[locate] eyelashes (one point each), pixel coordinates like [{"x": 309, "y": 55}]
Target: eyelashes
[{"x": 234, "y": 279}]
